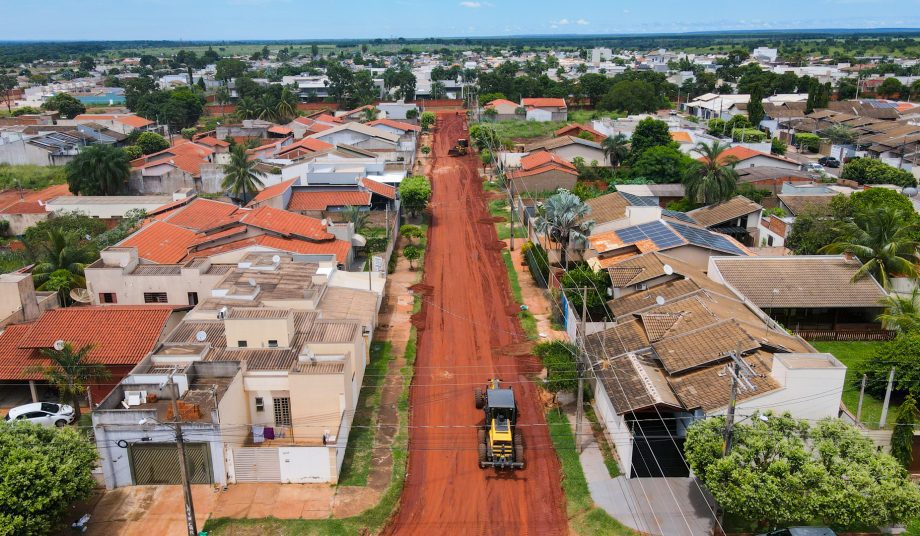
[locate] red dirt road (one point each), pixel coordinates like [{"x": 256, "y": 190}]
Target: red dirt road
[{"x": 466, "y": 337}]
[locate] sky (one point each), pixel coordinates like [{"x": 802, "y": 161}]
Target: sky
[{"x": 61, "y": 20}]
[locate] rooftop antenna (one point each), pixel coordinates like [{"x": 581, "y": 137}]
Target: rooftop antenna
[
  {"x": 276, "y": 259},
  {"x": 659, "y": 300},
  {"x": 201, "y": 336},
  {"x": 667, "y": 269},
  {"x": 59, "y": 344},
  {"x": 252, "y": 282}
]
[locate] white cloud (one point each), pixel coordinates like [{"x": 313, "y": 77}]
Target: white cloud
[
  {"x": 560, "y": 22},
  {"x": 582, "y": 22},
  {"x": 472, "y": 5}
]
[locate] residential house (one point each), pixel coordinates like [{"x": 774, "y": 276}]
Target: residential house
[
  {"x": 661, "y": 194},
  {"x": 123, "y": 123},
  {"x": 358, "y": 115},
  {"x": 505, "y": 110},
  {"x": 660, "y": 367},
  {"x": 113, "y": 207},
  {"x": 406, "y": 131},
  {"x": 743, "y": 157},
  {"x": 47, "y": 149},
  {"x": 19, "y": 301},
  {"x": 738, "y": 217},
  {"x": 120, "y": 337},
  {"x": 542, "y": 171},
  {"x": 715, "y": 106},
  {"x": 306, "y": 126},
  {"x": 24, "y": 209},
  {"x": 578, "y": 131},
  {"x": 397, "y": 111},
  {"x": 323, "y": 204},
  {"x": 569, "y": 148},
  {"x": 608, "y": 211},
  {"x": 804, "y": 292},
  {"x": 545, "y": 109},
  {"x": 381, "y": 142},
  {"x": 268, "y": 372},
  {"x": 184, "y": 165}
]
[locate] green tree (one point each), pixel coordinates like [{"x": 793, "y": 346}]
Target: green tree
[
  {"x": 583, "y": 277},
  {"x": 222, "y": 97},
  {"x": 616, "y": 149},
  {"x": 755, "y": 111},
  {"x": 71, "y": 372},
  {"x": 246, "y": 108},
  {"x": 662, "y": 165},
  {"x": 151, "y": 142},
  {"x": 778, "y": 146},
  {"x": 61, "y": 265},
  {"x": 287, "y": 104},
  {"x": 410, "y": 232},
  {"x": 872, "y": 171},
  {"x": 649, "y": 133},
  {"x": 902, "y": 313},
  {"x": 902, "y": 354},
  {"x": 228, "y": 69},
  {"x": 43, "y": 472},
  {"x": 902, "y": 439},
  {"x": 428, "y": 119},
  {"x": 563, "y": 218},
  {"x": 7, "y": 84},
  {"x": 242, "y": 177},
  {"x": 594, "y": 86},
  {"x": 781, "y": 472},
  {"x": 188, "y": 133},
  {"x": 412, "y": 253},
  {"x": 891, "y": 88},
  {"x": 98, "y": 170},
  {"x": 813, "y": 229},
  {"x": 67, "y": 105},
  {"x": 883, "y": 242},
  {"x": 840, "y": 134},
  {"x": 713, "y": 181},
  {"x": 266, "y": 107},
  {"x": 414, "y": 193},
  {"x": 561, "y": 370},
  {"x": 633, "y": 97},
  {"x": 133, "y": 152}
]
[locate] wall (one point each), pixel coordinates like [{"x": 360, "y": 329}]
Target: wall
[
  {"x": 170, "y": 181},
  {"x": 104, "y": 210},
  {"x": 569, "y": 152},
  {"x": 20, "y": 222},
  {"x": 266, "y": 385},
  {"x": 130, "y": 289},
  {"x": 544, "y": 182},
  {"x": 21, "y": 152},
  {"x": 302, "y": 465},
  {"x": 615, "y": 426}
]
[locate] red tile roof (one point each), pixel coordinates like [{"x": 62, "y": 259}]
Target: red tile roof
[
  {"x": 134, "y": 121},
  {"x": 278, "y": 129},
  {"x": 211, "y": 141},
  {"x": 339, "y": 248},
  {"x": 286, "y": 223},
  {"x": 187, "y": 156},
  {"x": 578, "y": 129},
  {"x": 740, "y": 154},
  {"x": 378, "y": 188},
  {"x": 24, "y": 207},
  {"x": 399, "y": 125},
  {"x": 203, "y": 214},
  {"x": 312, "y": 145},
  {"x": 161, "y": 242},
  {"x": 501, "y": 102},
  {"x": 543, "y": 103},
  {"x": 350, "y": 113},
  {"x": 233, "y": 231},
  {"x": 322, "y": 118},
  {"x": 272, "y": 191},
  {"x": 171, "y": 205},
  {"x": 307, "y": 200},
  {"x": 516, "y": 174},
  {"x": 120, "y": 335},
  {"x": 542, "y": 158}
]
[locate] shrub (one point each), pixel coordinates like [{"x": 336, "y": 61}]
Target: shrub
[
  {"x": 749, "y": 135},
  {"x": 872, "y": 171},
  {"x": 559, "y": 359},
  {"x": 808, "y": 141},
  {"x": 778, "y": 146},
  {"x": 426, "y": 149}
]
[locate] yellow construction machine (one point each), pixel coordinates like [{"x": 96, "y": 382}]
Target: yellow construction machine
[{"x": 501, "y": 444}]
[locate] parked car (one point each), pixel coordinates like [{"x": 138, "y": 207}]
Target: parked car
[
  {"x": 801, "y": 531},
  {"x": 829, "y": 161},
  {"x": 44, "y": 413},
  {"x": 814, "y": 168}
]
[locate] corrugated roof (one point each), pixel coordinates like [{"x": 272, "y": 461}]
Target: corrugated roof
[
  {"x": 286, "y": 223},
  {"x": 161, "y": 242},
  {"x": 717, "y": 213},
  {"x": 270, "y": 192},
  {"x": 313, "y": 200}
]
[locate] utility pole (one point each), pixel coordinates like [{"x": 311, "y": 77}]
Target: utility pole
[
  {"x": 862, "y": 392},
  {"x": 183, "y": 468},
  {"x": 881, "y": 421},
  {"x": 580, "y": 369},
  {"x": 511, "y": 204},
  {"x": 741, "y": 373}
]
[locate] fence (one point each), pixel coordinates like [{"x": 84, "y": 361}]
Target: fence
[
  {"x": 845, "y": 335},
  {"x": 537, "y": 260}
]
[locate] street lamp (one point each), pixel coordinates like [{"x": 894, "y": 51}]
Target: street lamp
[{"x": 183, "y": 468}]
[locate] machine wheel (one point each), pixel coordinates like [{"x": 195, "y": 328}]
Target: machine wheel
[
  {"x": 519, "y": 447},
  {"x": 482, "y": 455},
  {"x": 480, "y": 399},
  {"x": 60, "y": 423}
]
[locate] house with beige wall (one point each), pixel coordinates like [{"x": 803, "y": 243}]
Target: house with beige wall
[{"x": 268, "y": 368}]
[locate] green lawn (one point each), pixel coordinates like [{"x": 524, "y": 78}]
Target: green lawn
[
  {"x": 585, "y": 116},
  {"x": 585, "y": 517},
  {"x": 520, "y": 130},
  {"x": 359, "y": 451},
  {"x": 528, "y": 321},
  {"x": 613, "y": 468},
  {"x": 851, "y": 354}
]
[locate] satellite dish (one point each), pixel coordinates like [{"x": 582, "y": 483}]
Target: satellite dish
[
  {"x": 667, "y": 269},
  {"x": 59, "y": 345},
  {"x": 276, "y": 259},
  {"x": 659, "y": 300},
  {"x": 201, "y": 336},
  {"x": 252, "y": 282},
  {"x": 81, "y": 295},
  {"x": 324, "y": 222},
  {"x": 123, "y": 263}
]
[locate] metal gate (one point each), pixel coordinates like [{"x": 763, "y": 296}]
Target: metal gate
[
  {"x": 158, "y": 463},
  {"x": 256, "y": 464}
]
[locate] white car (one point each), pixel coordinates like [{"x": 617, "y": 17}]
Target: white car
[
  {"x": 814, "y": 167},
  {"x": 44, "y": 413}
]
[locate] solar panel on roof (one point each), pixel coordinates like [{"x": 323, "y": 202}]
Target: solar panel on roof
[
  {"x": 638, "y": 201},
  {"x": 657, "y": 232},
  {"x": 678, "y": 216},
  {"x": 707, "y": 239}
]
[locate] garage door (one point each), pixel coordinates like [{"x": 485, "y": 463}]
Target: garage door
[
  {"x": 158, "y": 463},
  {"x": 256, "y": 464}
]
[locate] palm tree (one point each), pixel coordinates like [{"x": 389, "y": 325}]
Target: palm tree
[
  {"x": 356, "y": 216},
  {"x": 616, "y": 149},
  {"x": 246, "y": 108},
  {"x": 98, "y": 170},
  {"x": 70, "y": 372},
  {"x": 241, "y": 176},
  {"x": 370, "y": 114},
  {"x": 902, "y": 313},
  {"x": 562, "y": 217},
  {"x": 884, "y": 243},
  {"x": 716, "y": 179},
  {"x": 62, "y": 265},
  {"x": 265, "y": 107},
  {"x": 287, "y": 104}
]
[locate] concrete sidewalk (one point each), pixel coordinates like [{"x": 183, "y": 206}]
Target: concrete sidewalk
[{"x": 666, "y": 506}]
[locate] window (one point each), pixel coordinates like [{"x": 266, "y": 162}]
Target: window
[
  {"x": 769, "y": 240},
  {"x": 260, "y": 404},
  {"x": 193, "y": 298},
  {"x": 241, "y": 344},
  {"x": 155, "y": 297},
  {"x": 108, "y": 297},
  {"x": 272, "y": 343},
  {"x": 282, "y": 411}
]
